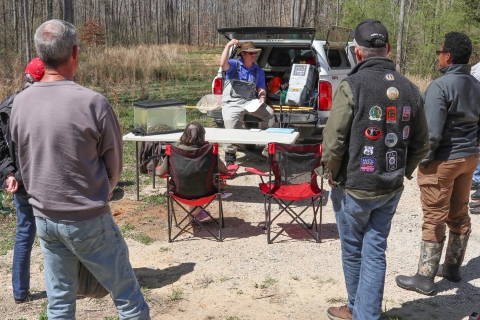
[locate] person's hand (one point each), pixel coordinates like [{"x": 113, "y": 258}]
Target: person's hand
[
  {"x": 12, "y": 184},
  {"x": 110, "y": 196},
  {"x": 234, "y": 42}
]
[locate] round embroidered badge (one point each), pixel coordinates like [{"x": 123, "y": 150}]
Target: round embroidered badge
[
  {"x": 375, "y": 113},
  {"x": 373, "y": 133},
  {"x": 392, "y": 93},
  {"x": 389, "y": 77},
  {"x": 391, "y": 139}
]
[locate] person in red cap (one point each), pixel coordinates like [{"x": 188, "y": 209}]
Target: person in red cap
[{"x": 12, "y": 182}]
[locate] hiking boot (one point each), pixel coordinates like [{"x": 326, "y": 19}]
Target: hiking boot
[
  {"x": 339, "y": 313},
  {"x": 423, "y": 281},
  {"x": 475, "y": 185},
  {"x": 456, "y": 247},
  {"x": 28, "y": 298},
  {"x": 230, "y": 158},
  {"x": 475, "y": 195}
]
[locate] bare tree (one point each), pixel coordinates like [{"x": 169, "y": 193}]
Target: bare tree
[
  {"x": 68, "y": 11},
  {"x": 27, "y": 29},
  {"x": 400, "y": 36}
]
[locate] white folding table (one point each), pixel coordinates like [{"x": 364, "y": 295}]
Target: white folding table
[{"x": 217, "y": 135}]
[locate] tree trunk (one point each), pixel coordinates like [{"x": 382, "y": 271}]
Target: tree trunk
[
  {"x": 27, "y": 29},
  {"x": 68, "y": 11},
  {"x": 400, "y": 36}
]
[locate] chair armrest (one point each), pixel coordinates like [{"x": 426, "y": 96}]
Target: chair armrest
[{"x": 255, "y": 171}]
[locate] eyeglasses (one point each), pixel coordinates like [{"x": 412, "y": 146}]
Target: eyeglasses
[
  {"x": 441, "y": 51},
  {"x": 252, "y": 53}
]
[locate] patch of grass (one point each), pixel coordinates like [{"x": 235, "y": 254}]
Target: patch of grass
[
  {"x": 337, "y": 300},
  {"x": 296, "y": 278},
  {"x": 127, "y": 231},
  {"x": 164, "y": 249},
  {"x": 331, "y": 281},
  {"x": 126, "y": 227},
  {"x": 239, "y": 292},
  {"x": 269, "y": 281},
  {"x": 224, "y": 278},
  {"x": 111, "y": 318},
  {"x": 43, "y": 315},
  {"x": 176, "y": 294},
  {"x": 232, "y": 318},
  {"x": 8, "y": 227},
  {"x": 143, "y": 238},
  {"x": 145, "y": 291},
  {"x": 155, "y": 199}
]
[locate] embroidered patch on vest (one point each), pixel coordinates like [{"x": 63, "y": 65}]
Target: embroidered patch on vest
[
  {"x": 389, "y": 77},
  {"x": 406, "y": 113},
  {"x": 367, "y": 165},
  {"x": 392, "y": 93},
  {"x": 391, "y": 114},
  {"x": 368, "y": 150},
  {"x": 406, "y": 132},
  {"x": 391, "y": 160},
  {"x": 375, "y": 113},
  {"x": 373, "y": 133},
  {"x": 391, "y": 140}
]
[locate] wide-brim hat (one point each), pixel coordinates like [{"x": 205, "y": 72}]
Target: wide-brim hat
[{"x": 249, "y": 47}]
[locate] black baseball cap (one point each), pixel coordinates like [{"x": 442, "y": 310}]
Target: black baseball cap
[{"x": 371, "y": 34}]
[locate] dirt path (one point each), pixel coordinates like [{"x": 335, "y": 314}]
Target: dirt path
[{"x": 246, "y": 278}]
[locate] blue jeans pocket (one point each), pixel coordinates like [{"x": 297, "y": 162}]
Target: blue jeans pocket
[
  {"x": 42, "y": 230},
  {"x": 87, "y": 236}
]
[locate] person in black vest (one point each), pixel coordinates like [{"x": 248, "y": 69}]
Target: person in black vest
[
  {"x": 12, "y": 182},
  {"x": 452, "y": 106},
  {"x": 376, "y": 134}
]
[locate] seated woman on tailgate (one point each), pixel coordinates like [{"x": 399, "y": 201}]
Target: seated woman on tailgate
[{"x": 193, "y": 138}]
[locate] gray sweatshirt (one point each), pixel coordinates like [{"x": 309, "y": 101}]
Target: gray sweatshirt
[
  {"x": 70, "y": 149},
  {"x": 452, "y": 107}
]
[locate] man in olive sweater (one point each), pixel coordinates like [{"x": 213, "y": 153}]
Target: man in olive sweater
[
  {"x": 452, "y": 106},
  {"x": 376, "y": 134},
  {"x": 70, "y": 154}
]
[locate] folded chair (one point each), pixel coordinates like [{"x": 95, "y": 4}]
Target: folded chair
[
  {"x": 190, "y": 177},
  {"x": 294, "y": 179}
]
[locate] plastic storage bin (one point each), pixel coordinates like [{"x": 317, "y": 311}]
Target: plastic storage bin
[{"x": 160, "y": 116}]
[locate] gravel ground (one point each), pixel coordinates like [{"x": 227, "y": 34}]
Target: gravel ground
[{"x": 243, "y": 277}]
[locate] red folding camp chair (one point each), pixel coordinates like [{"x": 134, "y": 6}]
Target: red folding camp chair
[
  {"x": 294, "y": 180},
  {"x": 190, "y": 182}
]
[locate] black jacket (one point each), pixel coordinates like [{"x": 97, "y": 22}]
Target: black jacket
[
  {"x": 452, "y": 106},
  {"x": 8, "y": 149}
]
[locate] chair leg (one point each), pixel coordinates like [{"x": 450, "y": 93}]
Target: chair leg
[
  {"x": 169, "y": 218},
  {"x": 267, "y": 219}
]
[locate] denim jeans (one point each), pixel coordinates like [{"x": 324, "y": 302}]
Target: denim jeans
[
  {"x": 99, "y": 245},
  {"x": 22, "y": 249},
  {"x": 363, "y": 226},
  {"x": 476, "y": 174}
]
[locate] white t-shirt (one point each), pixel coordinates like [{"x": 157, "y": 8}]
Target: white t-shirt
[{"x": 476, "y": 71}]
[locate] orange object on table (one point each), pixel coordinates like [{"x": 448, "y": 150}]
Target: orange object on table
[{"x": 274, "y": 84}]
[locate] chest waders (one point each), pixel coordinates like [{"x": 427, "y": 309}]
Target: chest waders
[{"x": 235, "y": 95}]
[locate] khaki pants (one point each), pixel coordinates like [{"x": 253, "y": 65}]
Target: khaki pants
[
  {"x": 233, "y": 119},
  {"x": 445, "y": 192}
]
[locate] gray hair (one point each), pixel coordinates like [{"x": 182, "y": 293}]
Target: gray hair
[
  {"x": 54, "y": 41},
  {"x": 372, "y": 52}
]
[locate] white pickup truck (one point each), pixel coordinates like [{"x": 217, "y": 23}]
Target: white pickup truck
[{"x": 302, "y": 74}]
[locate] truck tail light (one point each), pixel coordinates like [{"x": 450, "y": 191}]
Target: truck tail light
[
  {"x": 217, "y": 86},
  {"x": 324, "y": 95}
]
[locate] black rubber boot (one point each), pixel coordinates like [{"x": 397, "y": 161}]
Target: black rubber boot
[
  {"x": 475, "y": 195},
  {"x": 456, "y": 247},
  {"x": 423, "y": 281},
  {"x": 230, "y": 158}
]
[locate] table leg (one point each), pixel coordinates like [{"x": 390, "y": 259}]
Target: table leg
[
  {"x": 153, "y": 169},
  {"x": 136, "y": 171}
]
